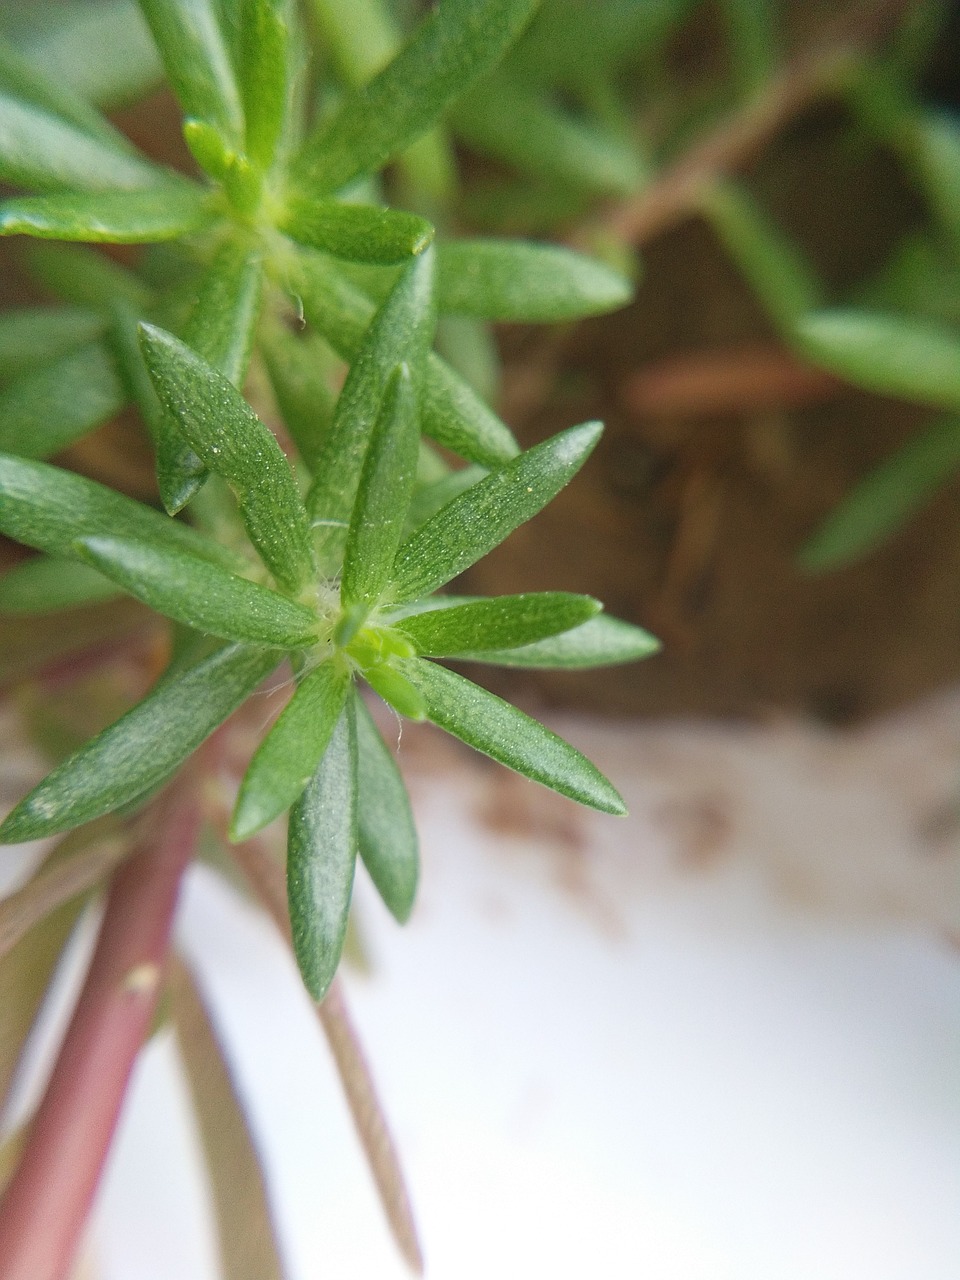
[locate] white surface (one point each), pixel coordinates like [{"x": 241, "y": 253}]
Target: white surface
[{"x": 718, "y": 1040}]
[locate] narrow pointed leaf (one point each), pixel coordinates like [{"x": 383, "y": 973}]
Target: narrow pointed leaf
[
  {"x": 23, "y": 79},
  {"x": 142, "y": 749},
  {"x": 383, "y": 496},
  {"x": 396, "y": 690},
  {"x": 452, "y": 47},
  {"x": 85, "y": 277},
  {"x": 50, "y": 407},
  {"x": 230, "y": 439},
  {"x": 111, "y": 217},
  {"x": 45, "y": 153},
  {"x": 32, "y": 336},
  {"x": 199, "y": 594},
  {"x": 51, "y": 509},
  {"x": 600, "y": 642},
  {"x": 265, "y": 72},
  {"x": 500, "y": 731},
  {"x": 501, "y": 623},
  {"x": 385, "y": 829},
  {"x": 508, "y": 280},
  {"x": 472, "y": 524},
  {"x": 45, "y": 584},
  {"x": 321, "y": 857},
  {"x": 301, "y": 369},
  {"x": 891, "y": 355},
  {"x": 401, "y": 331},
  {"x": 288, "y": 756},
  {"x": 358, "y": 232},
  {"x": 197, "y": 62}
]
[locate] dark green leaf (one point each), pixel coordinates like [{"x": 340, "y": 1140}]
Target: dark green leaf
[
  {"x": 472, "y": 524},
  {"x": 885, "y": 499},
  {"x": 360, "y": 232},
  {"x": 892, "y": 355},
  {"x": 321, "y": 857},
  {"x": 200, "y": 594},
  {"x": 601, "y": 642},
  {"x": 232, "y": 441},
  {"x": 114, "y": 217},
  {"x": 40, "y": 151},
  {"x": 32, "y": 336},
  {"x": 265, "y": 74},
  {"x": 508, "y": 280},
  {"x": 401, "y": 331},
  {"x": 143, "y": 748},
  {"x": 301, "y": 369},
  {"x": 500, "y": 731},
  {"x": 47, "y": 583},
  {"x": 288, "y": 756},
  {"x": 197, "y": 62},
  {"x": 453, "y": 46},
  {"x": 48, "y": 408},
  {"x": 387, "y": 835},
  {"x": 383, "y": 496},
  {"x": 84, "y": 277},
  {"x": 505, "y": 622},
  {"x": 51, "y": 509}
]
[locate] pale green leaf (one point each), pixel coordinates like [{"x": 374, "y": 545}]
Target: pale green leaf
[
  {"x": 32, "y": 336},
  {"x": 602, "y": 641},
  {"x": 265, "y": 74},
  {"x": 85, "y": 277},
  {"x": 50, "y": 407},
  {"x": 359, "y": 232},
  {"x": 504, "y": 622},
  {"x": 45, "y": 584},
  {"x": 113, "y": 217},
  {"x": 23, "y": 79}
]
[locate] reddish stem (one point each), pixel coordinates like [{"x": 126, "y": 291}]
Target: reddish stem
[{"x": 46, "y": 1204}]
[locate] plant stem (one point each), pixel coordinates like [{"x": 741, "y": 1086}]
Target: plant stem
[{"x": 46, "y": 1204}]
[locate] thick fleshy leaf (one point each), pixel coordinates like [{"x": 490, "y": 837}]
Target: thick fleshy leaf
[
  {"x": 51, "y": 509},
  {"x": 601, "y": 642},
  {"x": 45, "y": 153},
  {"x": 321, "y": 857},
  {"x": 359, "y": 232},
  {"x": 50, "y": 407},
  {"x": 288, "y": 756},
  {"x": 231, "y": 440},
  {"x": 385, "y": 828},
  {"x": 44, "y": 584},
  {"x": 481, "y": 517},
  {"x": 265, "y": 74},
  {"x": 197, "y": 62},
  {"x": 892, "y": 355},
  {"x": 402, "y": 331},
  {"x": 452, "y": 47},
  {"x": 32, "y": 336},
  {"x": 142, "y": 749},
  {"x": 451, "y": 412},
  {"x": 509, "y": 280},
  {"x": 302, "y": 369},
  {"x": 500, "y": 731},
  {"x": 383, "y": 496},
  {"x": 112, "y": 217},
  {"x": 883, "y": 501},
  {"x": 501, "y": 623},
  {"x": 23, "y": 79},
  {"x": 199, "y": 594},
  {"x": 84, "y": 277}
]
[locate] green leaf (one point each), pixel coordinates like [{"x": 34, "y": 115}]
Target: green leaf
[
  {"x": 501, "y": 623},
  {"x": 23, "y": 79},
  {"x": 51, "y": 510},
  {"x": 396, "y": 689},
  {"x": 321, "y": 857},
  {"x": 32, "y": 336},
  {"x": 472, "y": 524},
  {"x": 937, "y": 147},
  {"x": 143, "y": 748},
  {"x": 301, "y": 369},
  {"x": 231, "y": 440},
  {"x": 385, "y": 828},
  {"x": 452, "y": 47},
  {"x": 383, "y": 496},
  {"x": 401, "y": 331},
  {"x": 500, "y": 731},
  {"x": 113, "y": 217},
  {"x": 428, "y": 500},
  {"x": 197, "y": 62},
  {"x": 199, "y": 594},
  {"x": 508, "y": 280},
  {"x": 265, "y": 74},
  {"x": 288, "y": 756},
  {"x": 601, "y": 642},
  {"x": 50, "y": 407},
  {"x": 40, "y": 151},
  {"x": 84, "y": 277},
  {"x": 451, "y": 413},
  {"x": 891, "y": 355},
  {"x": 752, "y": 37},
  {"x": 882, "y": 502},
  {"x": 45, "y": 584},
  {"x": 359, "y": 232}
]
